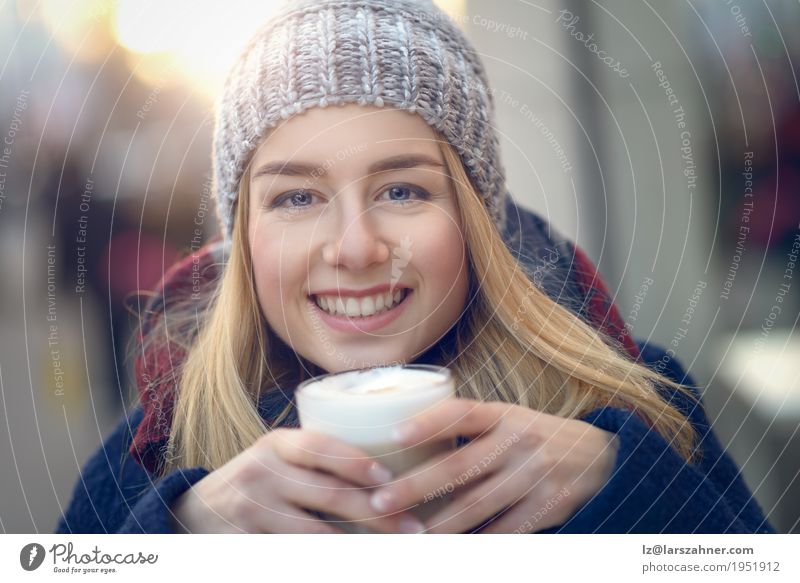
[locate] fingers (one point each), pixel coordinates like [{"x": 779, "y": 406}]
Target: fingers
[
  {"x": 473, "y": 506},
  {"x": 264, "y": 513},
  {"x": 451, "y": 418},
  {"x": 440, "y": 475},
  {"x": 287, "y": 519},
  {"x": 534, "y": 513},
  {"x": 511, "y": 522},
  {"x": 310, "y": 489},
  {"x": 317, "y": 451}
]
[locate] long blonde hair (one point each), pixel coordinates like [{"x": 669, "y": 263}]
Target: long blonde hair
[{"x": 513, "y": 343}]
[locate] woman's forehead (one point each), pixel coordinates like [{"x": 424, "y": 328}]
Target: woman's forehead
[{"x": 336, "y": 133}]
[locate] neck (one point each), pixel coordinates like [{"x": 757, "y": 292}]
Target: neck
[{"x": 440, "y": 353}]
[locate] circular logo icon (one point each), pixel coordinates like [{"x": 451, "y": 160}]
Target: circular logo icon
[{"x": 31, "y": 556}]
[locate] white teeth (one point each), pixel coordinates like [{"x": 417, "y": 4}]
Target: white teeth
[
  {"x": 353, "y": 308},
  {"x": 360, "y": 307},
  {"x": 367, "y": 306}
]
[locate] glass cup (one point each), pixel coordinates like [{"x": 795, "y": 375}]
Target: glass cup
[{"x": 362, "y": 407}]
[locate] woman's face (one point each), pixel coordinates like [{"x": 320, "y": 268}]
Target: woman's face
[{"x": 356, "y": 241}]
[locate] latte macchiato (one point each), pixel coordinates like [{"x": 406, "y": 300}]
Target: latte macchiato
[{"x": 362, "y": 407}]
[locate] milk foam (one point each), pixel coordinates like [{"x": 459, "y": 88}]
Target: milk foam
[
  {"x": 376, "y": 381},
  {"x": 362, "y": 406}
]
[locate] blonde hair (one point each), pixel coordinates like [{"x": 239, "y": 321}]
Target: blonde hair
[{"x": 513, "y": 343}]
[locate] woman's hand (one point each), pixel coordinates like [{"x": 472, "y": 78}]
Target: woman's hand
[
  {"x": 529, "y": 470},
  {"x": 276, "y": 484}
]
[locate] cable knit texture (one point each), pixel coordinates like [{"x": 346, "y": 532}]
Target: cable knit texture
[{"x": 405, "y": 54}]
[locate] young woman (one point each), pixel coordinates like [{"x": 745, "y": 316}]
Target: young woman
[{"x": 365, "y": 222}]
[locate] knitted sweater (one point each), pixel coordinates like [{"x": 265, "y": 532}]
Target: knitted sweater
[{"x": 651, "y": 489}]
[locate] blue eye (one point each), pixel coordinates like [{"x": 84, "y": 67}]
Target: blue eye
[
  {"x": 296, "y": 199},
  {"x": 401, "y": 194},
  {"x": 398, "y": 194}
]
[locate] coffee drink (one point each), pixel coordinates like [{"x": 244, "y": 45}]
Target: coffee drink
[{"x": 362, "y": 407}]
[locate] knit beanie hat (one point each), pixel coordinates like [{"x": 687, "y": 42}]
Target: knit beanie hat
[{"x": 406, "y": 54}]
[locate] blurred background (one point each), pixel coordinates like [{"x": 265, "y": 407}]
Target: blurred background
[{"x": 663, "y": 137}]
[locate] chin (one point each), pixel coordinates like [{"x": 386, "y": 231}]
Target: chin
[{"x": 341, "y": 361}]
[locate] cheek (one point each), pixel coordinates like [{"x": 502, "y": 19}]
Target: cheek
[
  {"x": 441, "y": 258},
  {"x": 278, "y": 271}
]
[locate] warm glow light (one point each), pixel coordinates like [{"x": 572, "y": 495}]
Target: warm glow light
[
  {"x": 764, "y": 369},
  {"x": 201, "y": 39},
  {"x": 79, "y": 26},
  {"x": 168, "y": 41},
  {"x": 147, "y": 26},
  {"x": 452, "y": 6}
]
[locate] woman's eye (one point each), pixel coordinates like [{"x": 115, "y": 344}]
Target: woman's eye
[
  {"x": 400, "y": 193},
  {"x": 294, "y": 200},
  {"x": 302, "y": 199}
]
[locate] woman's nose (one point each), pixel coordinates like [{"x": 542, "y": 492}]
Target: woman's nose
[{"x": 356, "y": 243}]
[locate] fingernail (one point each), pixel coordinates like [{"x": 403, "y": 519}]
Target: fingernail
[
  {"x": 379, "y": 473},
  {"x": 404, "y": 431},
  {"x": 410, "y": 525},
  {"x": 381, "y": 501}
]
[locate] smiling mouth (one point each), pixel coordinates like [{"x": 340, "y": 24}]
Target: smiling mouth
[{"x": 362, "y": 307}]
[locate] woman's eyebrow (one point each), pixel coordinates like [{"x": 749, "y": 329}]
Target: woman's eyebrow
[{"x": 398, "y": 162}]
